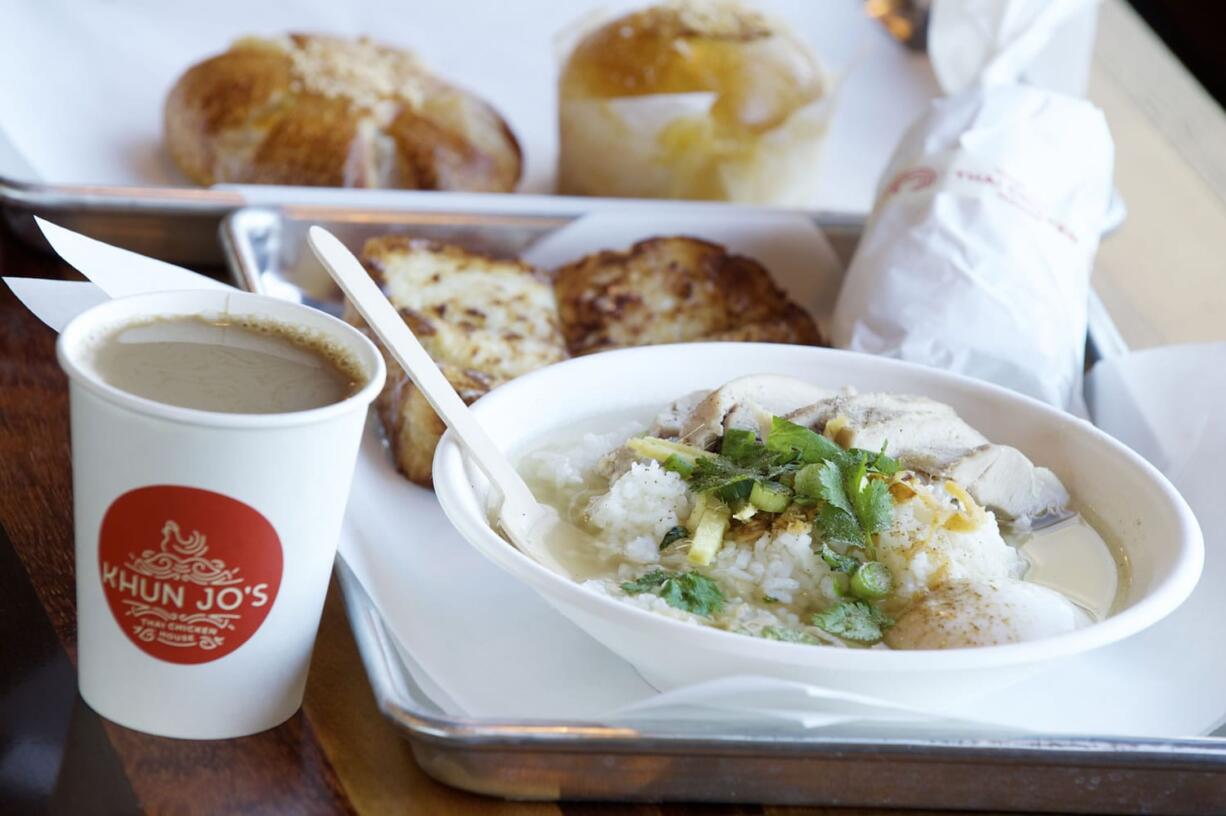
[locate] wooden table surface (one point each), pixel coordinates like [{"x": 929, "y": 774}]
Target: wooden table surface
[{"x": 1162, "y": 276}]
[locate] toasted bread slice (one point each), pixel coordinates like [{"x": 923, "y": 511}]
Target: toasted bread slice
[
  {"x": 413, "y": 429},
  {"x": 673, "y": 290},
  {"x": 483, "y": 320}
]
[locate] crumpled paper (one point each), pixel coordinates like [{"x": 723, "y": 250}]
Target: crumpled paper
[{"x": 977, "y": 255}]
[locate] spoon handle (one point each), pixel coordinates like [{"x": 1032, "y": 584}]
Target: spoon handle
[{"x": 519, "y": 505}]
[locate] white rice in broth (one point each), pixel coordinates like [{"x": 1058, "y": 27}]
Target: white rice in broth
[{"x": 768, "y": 568}]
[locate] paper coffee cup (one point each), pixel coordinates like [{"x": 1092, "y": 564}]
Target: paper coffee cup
[{"x": 204, "y": 541}]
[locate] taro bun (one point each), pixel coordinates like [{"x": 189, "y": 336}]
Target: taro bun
[{"x": 700, "y": 100}]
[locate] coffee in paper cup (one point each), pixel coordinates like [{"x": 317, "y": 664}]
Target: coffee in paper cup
[{"x": 205, "y": 537}]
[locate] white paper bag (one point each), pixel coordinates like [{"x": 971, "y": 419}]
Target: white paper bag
[{"x": 977, "y": 256}]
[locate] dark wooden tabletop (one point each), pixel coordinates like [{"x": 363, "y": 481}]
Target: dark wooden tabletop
[{"x": 337, "y": 755}]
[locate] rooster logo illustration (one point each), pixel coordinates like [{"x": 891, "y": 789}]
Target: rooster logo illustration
[{"x": 180, "y": 558}]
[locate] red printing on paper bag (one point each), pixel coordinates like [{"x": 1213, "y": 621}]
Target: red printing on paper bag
[
  {"x": 913, "y": 180},
  {"x": 189, "y": 574},
  {"x": 982, "y": 182}
]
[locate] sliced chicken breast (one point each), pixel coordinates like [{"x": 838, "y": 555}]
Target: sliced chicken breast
[
  {"x": 900, "y": 421},
  {"x": 1001, "y": 478},
  {"x": 928, "y": 436},
  {"x": 747, "y": 402}
]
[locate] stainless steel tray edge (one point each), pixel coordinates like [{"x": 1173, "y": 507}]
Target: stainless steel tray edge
[
  {"x": 180, "y": 224},
  {"x": 550, "y": 761},
  {"x": 176, "y": 224},
  {"x": 251, "y": 261}
]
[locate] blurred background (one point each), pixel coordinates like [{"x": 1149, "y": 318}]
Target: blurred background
[{"x": 1194, "y": 32}]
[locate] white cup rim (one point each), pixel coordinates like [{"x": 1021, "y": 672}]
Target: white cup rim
[{"x": 119, "y": 311}]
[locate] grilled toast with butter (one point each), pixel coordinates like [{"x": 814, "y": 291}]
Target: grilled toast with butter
[
  {"x": 674, "y": 290},
  {"x": 486, "y": 320},
  {"x": 483, "y": 320}
]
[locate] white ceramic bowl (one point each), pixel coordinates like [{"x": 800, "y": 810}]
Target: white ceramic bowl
[{"x": 1136, "y": 505}]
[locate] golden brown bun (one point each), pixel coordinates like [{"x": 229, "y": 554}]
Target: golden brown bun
[
  {"x": 699, "y": 100},
  {"x": 321, "y": 111},
  {"x": 482, "y": 320},
  {"x": 674, "y": 290},
  {"x": 760, "y": 72}
]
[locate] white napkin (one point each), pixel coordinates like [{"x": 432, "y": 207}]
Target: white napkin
[{"x": 1167, "y": 404}]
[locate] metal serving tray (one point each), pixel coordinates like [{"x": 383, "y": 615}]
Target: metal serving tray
[
  {"x": 176, "y": 224},
  {"x": 267, "y": 251},
  {"x": 560, "y": 760},
  {"x": 266, "y": 248},
  {"x": 180, "y": 224},
  {"x": 568, "y": 760}
]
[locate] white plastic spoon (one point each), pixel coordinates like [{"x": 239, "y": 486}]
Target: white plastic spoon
[{"x": 528, "y": 523}]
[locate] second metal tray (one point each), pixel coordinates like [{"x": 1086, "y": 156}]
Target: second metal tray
[{"x": 569, "y": 760}]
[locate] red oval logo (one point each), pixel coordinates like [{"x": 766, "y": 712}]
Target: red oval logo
[
  {"x": 914, "y": 180},
  {"x": 189, "y": 574}
]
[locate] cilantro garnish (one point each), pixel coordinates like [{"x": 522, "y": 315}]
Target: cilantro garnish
[
  {"x": 688, "y": 591},
  {"x": 849, "y": 486},
  {"x": 874, "y": 507},
  {"x": 789, "y": 635},
  {"x": 885, "y": 465},
  {"x": 854, "y": 506},
  {"x": 870, "y": 498},
  {"x": 715, "y": 473},
  {"x": 646, "y": 582},
  {"x": 838, "y": 527},
  {"x": 789, "y": 438},
  {"x": 753, "y": 464},
  {"x": 830, "y": 486},
  {"x": 854, "y": 620},
  {"x": 741, "y": 446},
  {"x": 674, "y": 535},
  {"x": 813, "y": 448}
]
